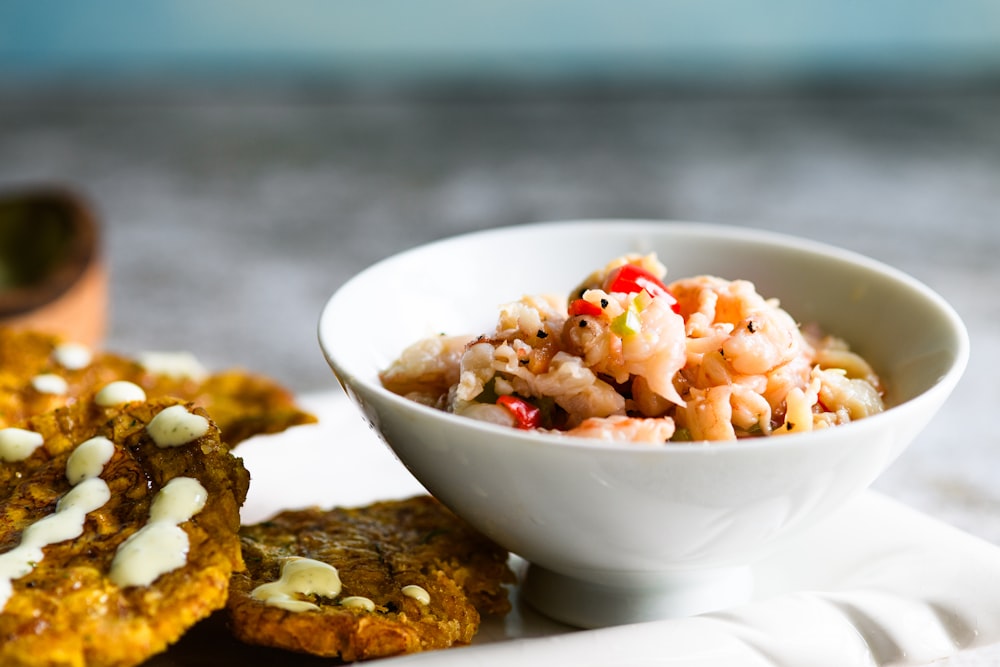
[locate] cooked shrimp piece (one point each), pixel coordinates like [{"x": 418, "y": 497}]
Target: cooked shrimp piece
[
  {"x": 657, "y": 350},
  {"x": 589, "y": 337},
  {"x": 759, "y": 335},
  {"x": 708, "y": 414},
  {"x": 763, "y": 341},
  {"x": 635, "y": 336},
  {"x": 710, "y": 302},
  {"x": 530, "y": 314},
  {"x": 751, "y": 413},
  {"x": 646, "y": 401},
  {"x": 426, "y": 369},
  {"x": 475, "y": 370},
  {"x": 577, "y": 390},
  {"x": 780, "y": 380},
  {"x": 698, "y": 300},
  {"x": 620, "y": 428},
  {"x": 524, "y": 342},
  {"x": 725, "y": 412}
]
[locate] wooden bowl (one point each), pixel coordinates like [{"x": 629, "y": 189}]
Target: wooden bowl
[{"x": 52, "y": 273}]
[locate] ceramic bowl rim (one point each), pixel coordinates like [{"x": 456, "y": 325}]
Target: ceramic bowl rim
[{"x": 944, "y": 383}]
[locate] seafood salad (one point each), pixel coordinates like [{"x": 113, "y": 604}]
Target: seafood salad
[{"x": 628, "y": 357}]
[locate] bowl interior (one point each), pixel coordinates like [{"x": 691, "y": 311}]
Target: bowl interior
[{"x": 911, "y": 337}]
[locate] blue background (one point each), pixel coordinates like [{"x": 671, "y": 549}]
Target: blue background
[{"x": 727, "y": 41}]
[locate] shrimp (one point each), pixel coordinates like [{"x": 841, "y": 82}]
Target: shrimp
[
  {"x": 708, "y": 414},
  {"x": 657, "y": 351},
  {"x": 620, "y": 428},
  {"x": 426, "y": 369},
  {"x": 710, "y": 303},
  {"x": 649, "y": 344},
  {"x": 523, "y": 344},
  {"x": 476, "y": 370},
  {"x": 762, "y": 341},
  {"x": 646, "y": 401},
  {"x": 751, "y": 413},
  {"x": 571, "y": 385},
  {"x": 533, "y": 325},
  {"x": 530, "y": 314},
  {"x": 576, "y": 389}
]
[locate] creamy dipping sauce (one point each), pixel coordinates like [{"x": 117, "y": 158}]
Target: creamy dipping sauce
[
  {"x": 304, "y": 576},
  {"x": 119, "y": 392},
  {"x": 175, "y": 426},
  {"x": 89, "y": 459},
  {"x": 49, "y": 383},
  {"x": 181, "y": 365},
  {"x": 300, "y": 576},
  {"x": 418, "y": 593},
  {"x": 72, "y": 356},
  {"x": 161, "y": 545},
  {"x": 17, "y": 444},
  {"x": 358, "y": 602},
  {"x": 89, "y": 493}
]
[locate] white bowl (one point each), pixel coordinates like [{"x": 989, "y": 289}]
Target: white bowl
[{"x": 613, "y": 533}]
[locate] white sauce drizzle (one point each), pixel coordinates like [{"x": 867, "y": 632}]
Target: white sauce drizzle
[
  {"x": 89, "y": 459},
  {"x": 49, "y": 383},
  {"x": 161, "y": 545},
  {"x": 119, "y": 392},
  {"x": 299, "y": 576},
  {"x": 178, "y": 501},
  {"x": 72, "y": 356},
  {"x": 358, "y": 602},
  {"x": 17, "y": 444},
  {"x": 67, "y": 521},
  {"x": 89, "y": 493},
  {"x": 418, "y": 593},
  {"x": 179, "y": 365},
  {"x": 175, "y": 426},
  {"x": 305, "y": 576}
]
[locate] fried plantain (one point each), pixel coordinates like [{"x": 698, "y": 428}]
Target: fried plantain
[
  {"x": 78, "y": 605},
  {"x": 426, "y": 575},
  {"x": 40, "y": 372}
]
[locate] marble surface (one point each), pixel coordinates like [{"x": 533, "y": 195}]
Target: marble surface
[{"x": 230, "y": 214}]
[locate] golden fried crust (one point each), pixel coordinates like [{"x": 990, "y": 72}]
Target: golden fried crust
[
  {"x": 241, "y": 403},
  {"x": 377, "y": 550},
  {"x": 67, "y": 611}
]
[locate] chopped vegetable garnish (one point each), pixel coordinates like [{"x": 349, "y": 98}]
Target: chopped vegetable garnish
[
  {"x": 583, "y": 307},
  {"x": 626, "y": 324},
  {"x": 526, "y": 415},
  {"x": 629, "y": 278}
]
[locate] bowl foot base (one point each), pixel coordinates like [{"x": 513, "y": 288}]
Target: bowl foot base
[{"x": 601, "y": 601}]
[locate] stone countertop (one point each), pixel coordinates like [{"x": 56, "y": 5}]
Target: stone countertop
[{"x": 231, "y": 215}]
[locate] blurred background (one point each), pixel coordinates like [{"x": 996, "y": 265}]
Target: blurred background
[{"x": 246, "y": 158}]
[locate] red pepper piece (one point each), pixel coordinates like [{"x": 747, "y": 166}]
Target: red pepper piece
[
  {"x": 583, "y": 307},
  {"x": 630, "y": 278},
  {"x": 526, "y": 415}
]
